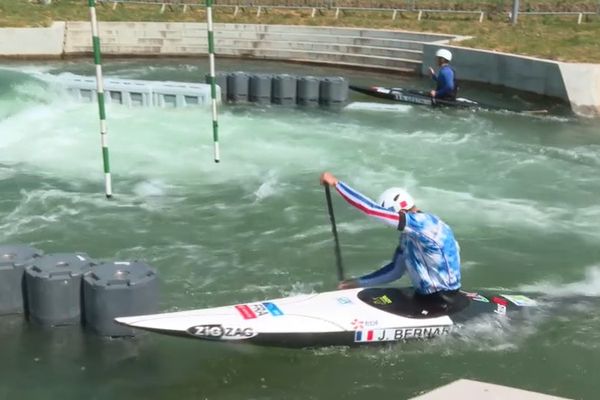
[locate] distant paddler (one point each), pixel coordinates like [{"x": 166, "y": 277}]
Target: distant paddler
[{"x": 446, "y": 88}]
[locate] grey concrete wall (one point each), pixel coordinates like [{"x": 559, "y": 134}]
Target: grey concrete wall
[
  {"x": 33, "y": 42},
  {"x": 577, "y": 83},
  {"x": 583, "y": 87},
  {"x": 519, "y": 72},
  {"x": 386, "y": 49},
  {"x": 410, "y": 52}
]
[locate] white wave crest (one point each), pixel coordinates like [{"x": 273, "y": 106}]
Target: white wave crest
[{"x": 589, "y": 286}]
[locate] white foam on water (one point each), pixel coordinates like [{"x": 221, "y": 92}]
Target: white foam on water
[
  {"x": 150, "y": 188},
  {"x": 63, "y": 140},
  {"x": 589, "y": 286},
  {"x": 268, "y": 188},
  {"x": 6, "y": 172},
  {"x": 446, "y": 138},
  {"x": 492, "y": 211},
  {"x": 362, "y": 225},
  {"x": 39, "y": 209},
  {"x": 511, "y": 212},
  {"x": 37, "y": 69},
  {"x": 26, "y": 218},
  {"x": 318, "y": 230},
  {"x": 300, "y": 288}
]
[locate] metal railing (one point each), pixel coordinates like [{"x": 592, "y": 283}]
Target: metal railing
[{"x": 423, "y": 8}]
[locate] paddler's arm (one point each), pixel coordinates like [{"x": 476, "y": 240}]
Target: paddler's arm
[
  {"x": 386, "y": 274},
  {"x": 360, "y": 201},
  {"x": 433, "y": 74}
]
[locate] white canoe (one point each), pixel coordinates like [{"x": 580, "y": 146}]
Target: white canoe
[{"x": 344, "y": 317}]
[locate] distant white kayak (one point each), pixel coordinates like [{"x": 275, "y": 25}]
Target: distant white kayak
[{"x": 344, "y": 317}]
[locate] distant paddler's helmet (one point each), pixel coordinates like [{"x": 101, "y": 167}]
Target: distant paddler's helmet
[
  {"x": 396, "y": 199},
  {"x": 445, "y": 54}
]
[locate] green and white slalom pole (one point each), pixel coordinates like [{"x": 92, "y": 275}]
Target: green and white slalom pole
[
  {"x": 100, "y": 91},
  {"x": 213, "y": 79}
]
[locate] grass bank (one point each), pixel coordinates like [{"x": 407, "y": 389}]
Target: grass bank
[{"x": 557, "y": 38}]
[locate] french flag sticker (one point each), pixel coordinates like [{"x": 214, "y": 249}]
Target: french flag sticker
[
  {"x": 245, "y": 311},
  {"x": 363, "y": 336}
]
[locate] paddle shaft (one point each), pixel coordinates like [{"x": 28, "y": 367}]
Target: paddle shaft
[{"x": 338, "y": 253}]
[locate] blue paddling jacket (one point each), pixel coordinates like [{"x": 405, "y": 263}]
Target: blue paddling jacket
[
  {"x": 427, "y": 251},
  {"x": 446, "y": 83}
]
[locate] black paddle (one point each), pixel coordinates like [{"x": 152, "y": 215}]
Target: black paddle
[{"x": 338, "y": 253}]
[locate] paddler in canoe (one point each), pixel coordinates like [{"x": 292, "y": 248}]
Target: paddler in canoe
[{"x": 427, "y": 252}]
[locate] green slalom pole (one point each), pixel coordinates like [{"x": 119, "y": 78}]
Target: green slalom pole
[
  {"x": 213, "y": 79},
  {"x": 100, "y": 91}
]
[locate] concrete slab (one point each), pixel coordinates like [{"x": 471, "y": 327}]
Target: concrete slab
[
  {"x": 33, "y": 42},
  {"x": 583, "y": 87},
  {"x": 520, "y": 72},
  {"x": 465, "y": 389},
  {"x": 577, "y": 83}
]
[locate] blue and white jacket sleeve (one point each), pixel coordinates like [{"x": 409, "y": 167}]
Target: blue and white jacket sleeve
[
  {"x": 386, "y": 274},
  {"x": 366, "y": 205}
]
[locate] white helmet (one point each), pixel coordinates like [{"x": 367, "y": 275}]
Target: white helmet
[
  {"x": 445, "y": 54},
  {"x": 396, "y": 199}
]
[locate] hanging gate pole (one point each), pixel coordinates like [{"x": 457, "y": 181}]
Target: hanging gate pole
[
  {"x": 101, "y": 105},
  {"x": 213, "y": 79}
]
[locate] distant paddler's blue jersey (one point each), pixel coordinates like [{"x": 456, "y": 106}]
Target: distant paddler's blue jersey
[
  {"x": 427, "y": 252},
  {"x": 446, "y": 82}
]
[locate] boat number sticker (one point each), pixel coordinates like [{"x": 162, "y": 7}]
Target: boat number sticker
[
  {"x": 394, "y": 334},
  {"x": 255, "y": 310},
  {"x": 520, "y": 300},
  {"x": 220, "y": 332}
]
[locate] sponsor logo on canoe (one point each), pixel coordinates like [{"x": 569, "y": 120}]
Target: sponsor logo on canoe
[
  {"x": 520, "y": 300},
  {"x": 501, "y": 305},
  {"x": 395, "y": 334},
  {"x": 358, "y": 324},
  {"x": 382, "y": 300},
  {"x": 245, "y": 311},
  {"x": 344, "y": 300},
  {"x": 273, "y": 309},
  {"x": 481, "y": 299},
  {"x": 476, "y": 297},
  {"x": 400, "y": 96},
  {"x": 220, "y": 332},
  {"x": 411, "y": 99},
  {"x": 255, "y": 310}
]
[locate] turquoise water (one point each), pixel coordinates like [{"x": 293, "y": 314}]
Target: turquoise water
[{"x": 520, "y": 193}]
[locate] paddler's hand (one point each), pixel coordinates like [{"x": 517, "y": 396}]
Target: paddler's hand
[
  {"x": 432, "y": 93},
  {"x": 348, "y": 284},
  {"x": 327, "y": 178},
  {"x": 431, "y": 71}
]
